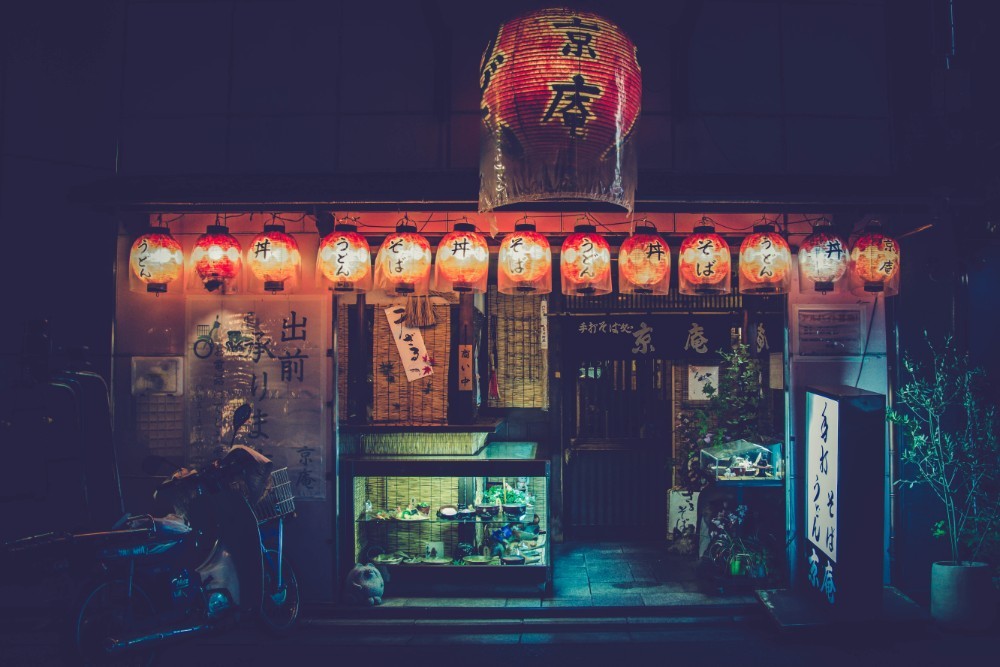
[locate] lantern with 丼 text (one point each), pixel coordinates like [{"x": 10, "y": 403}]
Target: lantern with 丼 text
[
  {"x": 823, "y": 259},
  {"x": 524, "y": 262},
  {"x": 644, "y": 263},
  {"x": 403, "y": 264},
  {"x": 157, "y": 260},
  {"x": 704, "y": 263},
  {"x": 561, "y": 94},
  {"x": 874, "y": 266},
  {"x": 274, "y": 260},
  {"x": 217, "y": 261},
  {"x": 765, "y": 262},
  {"x": 585, "y": 262},
  {"x": 463, "y": 260},
  {"x": 345, "y": 259}
]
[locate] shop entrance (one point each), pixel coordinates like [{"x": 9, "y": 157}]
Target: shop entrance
[{"x": 616, "y": 460}]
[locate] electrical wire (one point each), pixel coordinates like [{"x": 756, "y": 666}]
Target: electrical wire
[{"x": 868, "y": 337}]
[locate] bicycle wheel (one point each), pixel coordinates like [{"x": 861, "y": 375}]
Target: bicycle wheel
[
  {"x": 107, "y": 611},
  {"x": 279, "y": 608},
  {"x": 203, "y": 348}
]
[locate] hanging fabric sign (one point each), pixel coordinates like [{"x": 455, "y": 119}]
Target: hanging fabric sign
[
  {"x": 269, "y": 354},
  {"x": 410, "y": 343}
]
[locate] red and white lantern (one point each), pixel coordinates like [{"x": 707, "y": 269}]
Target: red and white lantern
[
  {"x": 704, "y": 263},
  {"x": 403, "y": 263},
  {"x": 585, "y": 263},
  {"x": 874, "y": 266},
  {"x": 463, "y": 260},
  {"x": 157, "y": 260},
  {"x": 345, "y": 259},
  {"x": 524, "y": 263},
  {"x": 217, "y": 261},
  {"x": 644, "y": 263},
  {"x": 823, "y": 259},
  {"x": 274, "y": 260},
  {"x": 765, "y": 262}
]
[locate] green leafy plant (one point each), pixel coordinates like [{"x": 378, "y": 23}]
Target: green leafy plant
[
  {"x": 505, "y": 494},
  {"x": 735, "y": 550},
  {"x": 950, "y": 445}
]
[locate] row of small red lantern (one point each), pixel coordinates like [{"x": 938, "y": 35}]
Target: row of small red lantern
[{"x": 403, "y": 262}]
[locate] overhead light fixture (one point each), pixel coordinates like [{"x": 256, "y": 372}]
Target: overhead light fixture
[
  {"x": 403, "y": 263},
  {"x": 765, "y": 262},
  {"x": 704, "y": 262},
  {"x": 585, "y": 262},
  {"x": 644, "y": 262},
  {"x": 463, "y": 260},
  {"x": 217, "y": 259},
  {"x": 524, "y": 263},
  {"x": 874, "y": 268},
  {"x": 823, "y": 259},
  {"x": 156, "y": 259},
  {"x": 345, "y": 259},
  {"x": 274, "y": 260}
]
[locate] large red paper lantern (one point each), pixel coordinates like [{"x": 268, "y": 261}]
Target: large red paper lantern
[
  {"x": 524, "y": 262},
  {"x": 823, "y": 259},
  {"x": 561, "y": 93},
  {"x": 156, "y": 259},
  {"x": 585, "y": 262},
  {"x": 644, "y": 263},
  {"x": 403, "y": 263},
  {"x": 765, "y": 262},
  {"x": 463, "y": 260},
  {"x": 345, "y": 259},
  {"x": 704, "y": 263},
  {"x": 274, "y": 260},
  {"x": 874, "y": 263},
  {"x": 217, "y": 259}
]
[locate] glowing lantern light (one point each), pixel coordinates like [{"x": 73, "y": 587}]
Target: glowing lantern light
[
  {"x": 585, "y": 262},
  {"x": 156, "y": 259},
  {"x": 217, "y": 260},
  {"x": 345, "y": 259},
  {"x": 403, "y": 263},
  {"x": 561, "y": 93},
  {"x": 874, "y": 263},
  {"x": 704, "y": 262},
  {"x": 274, "y": 259},
  {"x": 644, "y": 263},
  {"x": 463, "y": 260},
  {"x": 823, "y": 259},
  {"x": 524, "y": 263},
  {"x": 765, "y": 262}
]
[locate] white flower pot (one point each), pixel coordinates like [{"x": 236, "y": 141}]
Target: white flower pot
[{"x": 962, "y": 595}]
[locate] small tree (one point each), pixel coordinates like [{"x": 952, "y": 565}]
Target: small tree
[{"x": 951, "y": 445}]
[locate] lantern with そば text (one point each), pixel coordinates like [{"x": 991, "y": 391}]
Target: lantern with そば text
[
  {"x": 704, "y": 263},
  {"x": 823, "y": 259},
  {"x": 463, "y": 260},
  {"x": 157, "y": 260},
  {"x": 765, "y": 262},
  {"x": 524, "y": 262},
  {"x": 403, "y": 263},
  {"x": 561, "y": 94},
  {"x": 585, "y": 262},
  {"x": 874, "y": 266},
  {"x": 274, "y": 260},
  {"x": 345, "y": 259},
  {"x": 644, "y": 263},
  {"x": 217, "y": 261}
]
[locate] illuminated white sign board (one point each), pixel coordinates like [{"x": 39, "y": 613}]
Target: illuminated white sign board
[{"x": 822, "y": 458}]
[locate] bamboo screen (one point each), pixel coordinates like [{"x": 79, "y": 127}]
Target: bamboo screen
[{"x": 517, "y": 360}]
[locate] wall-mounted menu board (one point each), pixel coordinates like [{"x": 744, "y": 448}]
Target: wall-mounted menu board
[{"x": 829, "y": 332}]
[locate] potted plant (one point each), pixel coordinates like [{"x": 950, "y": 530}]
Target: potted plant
[
  {"x": 739, "y": 555},
  {"x": 950, "y": 445}
]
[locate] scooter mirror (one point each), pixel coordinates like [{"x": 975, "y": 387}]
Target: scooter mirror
[{"x": 240, "y": 417}]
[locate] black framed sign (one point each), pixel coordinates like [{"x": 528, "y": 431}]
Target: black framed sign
[{"x": 835, "y": 331}]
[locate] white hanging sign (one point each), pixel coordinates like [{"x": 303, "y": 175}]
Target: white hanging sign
[{"x": 410, "y": 344}]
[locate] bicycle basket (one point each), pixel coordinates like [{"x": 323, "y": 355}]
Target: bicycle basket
[{"x": 278, "y": 500}]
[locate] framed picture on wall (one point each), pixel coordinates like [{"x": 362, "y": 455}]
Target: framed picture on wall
[
  {"x": 829, "y": 331},
  {"x": 699, "y": 378}
]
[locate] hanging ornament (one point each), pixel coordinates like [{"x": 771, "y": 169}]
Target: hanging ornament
[
  {"x": 274, "y": 259},
  {"x": 217, "y": 259},
  {"x": 704, "y": 262},
  {"x": 524, "y": 263},
  {"x": 156, "y": 259},
  {"x": 585, "y": 262},
  {"x": 765, "y": 262},
  {"x": 463, "y": 260},
  {"x": 561, "y": 93},
  {"x": 403, "y": 263},
  {"x": 823, "y": 259},
  {"x": 874, "y": 263},
  {"x": 644, "y": 263},
  {"x": 345, "y": 259}
]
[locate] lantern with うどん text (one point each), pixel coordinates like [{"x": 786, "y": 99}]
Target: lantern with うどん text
[
  {"x": 274, "y": 260},
  {"x": 644, "y": 263},
  {"x": 463, "y": 260},
  {"x": 217, "y": 261},
  {"x": 585, "y": 262},
  {"x": 874, "y": 266},
  {"x": 823, "y": 259},
  {"x": 524, "y": 262},
  {"x": 704, "y": 263},
  {"x": 765, "y": 262},
  {"x": 561, "y": 94},
  {"x": 345, "y": 259},
  {"x": 157, "y": 260},
  {"x": 403, "y": 263}
]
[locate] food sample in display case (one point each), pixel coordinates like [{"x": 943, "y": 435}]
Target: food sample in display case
[{"x": 743, "y": 461}]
